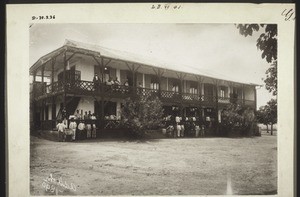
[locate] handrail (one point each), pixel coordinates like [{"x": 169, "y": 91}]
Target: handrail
[{"x": 90, "y": 86}]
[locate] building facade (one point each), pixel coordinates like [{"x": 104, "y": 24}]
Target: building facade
[{"x": 64, "y": 79}]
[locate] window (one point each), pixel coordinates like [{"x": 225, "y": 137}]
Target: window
[
  {"x": 71, "y": 75},
  {"x": 154, "y": 86},
  {"x": 193, "y": 89},
  {"x": 154, "y": 83},
  {"x": 223, "y": 91},
  {"x": 236, "y": 92},
  {"x": 175, "y": 88}
]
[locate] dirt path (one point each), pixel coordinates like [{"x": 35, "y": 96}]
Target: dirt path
[{"x": 158, "y": 167}]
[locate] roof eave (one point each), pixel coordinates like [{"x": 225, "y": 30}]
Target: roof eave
[{"x": 44, "y": 59}]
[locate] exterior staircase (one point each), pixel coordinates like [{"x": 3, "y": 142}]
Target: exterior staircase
[{"x": 71, "y": 106}]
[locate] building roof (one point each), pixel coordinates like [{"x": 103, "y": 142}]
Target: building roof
[{"x": 147, "y": 61}]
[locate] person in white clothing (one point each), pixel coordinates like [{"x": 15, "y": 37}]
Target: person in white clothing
[
  {"x": 81, "y": 130},
  {"x": 61, "y": 130},
  {"x": 73, "y": 126},
  {"x": 178, "y": 130},
  {"x": 88, "y": 128}
]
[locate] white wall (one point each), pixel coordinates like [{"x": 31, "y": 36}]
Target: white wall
[
  {"x": 84, "y": 65},
  {"x": 49, "y": 112},
  {"x": 249, "y": 93},
  {"x": 86, "y": 104},
  {"x": 87, "y": 69}
]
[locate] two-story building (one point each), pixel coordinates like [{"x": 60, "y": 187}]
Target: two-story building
[{"x": 64, "y": 78}]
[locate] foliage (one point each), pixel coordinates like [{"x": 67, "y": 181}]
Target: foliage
[
  {"x": 272, "y": 110},
  {"x": 248, "y": 117},
  {"x": 268, "y": 114},
  {"x": 236, "y": 118},
  {"x": 232, "y": 116},
  {"x": 261, "y": 115},
  {"x": 142, "y": 113},
  {"x": 267, "y": 43},
  {"x": 271, "y": 79}
]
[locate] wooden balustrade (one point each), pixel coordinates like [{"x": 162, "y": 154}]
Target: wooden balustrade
[
  {"x": 224, "y": 100},
  {"x": 82, "y": 87}
]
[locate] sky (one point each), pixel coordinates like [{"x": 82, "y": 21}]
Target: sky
[{"x": 218, "y": 48}]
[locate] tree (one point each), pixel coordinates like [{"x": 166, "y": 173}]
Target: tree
[
  {"x": 261, "y": 116},
  {"x": 271, "y": 79},
  {"x": 231, "y": 116},
  {"x": 267, "y": 114},
  {"x": 267, "y": 43},
  {"x": 142, "y": 113},
  {"x": 238, "y": 119},
  {"x": 271, "y": 113}
]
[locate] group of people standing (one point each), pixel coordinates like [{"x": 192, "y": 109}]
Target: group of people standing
[
  {"x": 184, "y": 127},
  {"x": 80, "y": 127},
  {"x": 86, "y": 116},
  {"x": 114, "y": 83}
]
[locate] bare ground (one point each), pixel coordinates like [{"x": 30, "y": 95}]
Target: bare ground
[{"x": 194, "y": 166}]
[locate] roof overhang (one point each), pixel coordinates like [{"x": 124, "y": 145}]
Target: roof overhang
[
  {"x": 54, "y": 54},
  {"x": 73, "y": 47}
]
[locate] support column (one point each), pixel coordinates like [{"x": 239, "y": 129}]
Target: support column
[
  {"x": 181, "y": 100},
  {"x": 200, "y": 80},
  {"x": 53, "y": 110},
  {"x": 181, "y": 78},
  {"x": 230, "y": 92},
  {"x": 102, "y": 95},
  {"x": 255, "y": 98},
  {"x": 243, "y": 94},
  {"x": 217, "y": 106},
  {"x": 133, "y": 70},
  {"x": 33, "y": 101},
  {"x": 34, "y": 76},
  {"x": 64, "y": 80},
  {"x": 118, "y": 74},
  {"x": 43, "y": 86},
  {"x": 144, "y": 81},
  {"x": 217, "y": 94},
  {"x": 167, "y": 84},
  {"x": 200, "y": 96},
  {"x": 42, "y": 114},
  {"x": 52, "y": 73},
  {"x": 159, "y": 73},
  {"x": 133, "y": 78}
]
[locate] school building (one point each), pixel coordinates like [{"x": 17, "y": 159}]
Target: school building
[{"x": 64, "y": 78}]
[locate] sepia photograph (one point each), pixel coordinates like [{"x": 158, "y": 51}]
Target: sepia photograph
[{"x": 153, "y": 108}]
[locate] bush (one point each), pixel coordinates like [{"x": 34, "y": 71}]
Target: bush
[
  {"x": 237, "y": 121},
  {"x": 142, "y": 113}
]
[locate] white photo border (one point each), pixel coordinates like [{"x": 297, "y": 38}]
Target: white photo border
[{"x": 19, "y": 17}]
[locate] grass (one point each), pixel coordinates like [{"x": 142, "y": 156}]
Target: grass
[{"x": 194, "y": 166}]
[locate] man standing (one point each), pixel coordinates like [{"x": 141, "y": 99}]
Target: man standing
[
  {"x": 61, "y": 131},
  {"x": 77, "y": 115},
  {"x": 96, "y": 81},
  {"x": 89, "y": 115},
  {"x": 81, "y": 130},
  {"x": 73, "y": 126},
  {"x": 85, "y": 117},
  {"x": 94, "y": 128}
]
